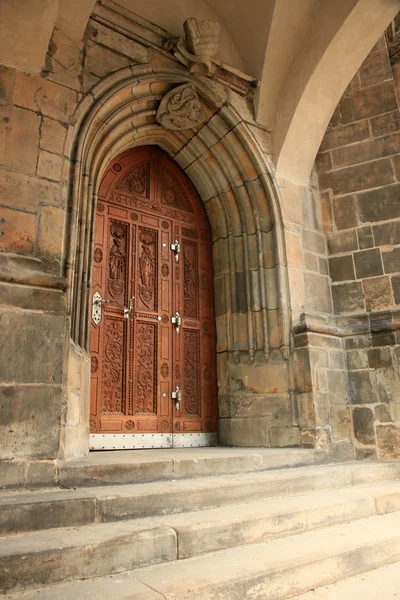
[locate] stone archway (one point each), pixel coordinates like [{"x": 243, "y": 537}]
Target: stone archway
[{"x": 229, "y": 171}]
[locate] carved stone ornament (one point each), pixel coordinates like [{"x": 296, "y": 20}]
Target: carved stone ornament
[
  {"x": 200, "y": 45},
  {"x": 180, "y": 108}
]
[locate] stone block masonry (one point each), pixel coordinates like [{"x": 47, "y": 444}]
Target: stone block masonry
[{"x": 359, "y": 175}]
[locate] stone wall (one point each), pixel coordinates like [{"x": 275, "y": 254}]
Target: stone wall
[
  {"x": 359, "y": 177},
  {"x": 46, "y": 238},
  {"x": 300, "y": 362}
]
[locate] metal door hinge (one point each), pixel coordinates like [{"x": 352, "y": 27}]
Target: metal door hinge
[
  {"x": 177, "y": 321},
  {"x": 177, "y": 397},
  {"x": 176, "y": 247}
]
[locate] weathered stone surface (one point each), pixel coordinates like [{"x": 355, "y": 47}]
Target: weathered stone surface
[
  {"x": 341, "y": 268},
  {"x": 357, "y": 359},
  {"x": 382, "y": 413},
  {"x": 317, "y": 293},
  {"x": 347, "y": 297},
  {"x": 324, "y": 341},
  {"x": 101, "y": 61},
  {"x": 368, "y": 102},
  {"x": 6, "y": 83},
  {"x": 283, "y": 437},
  {"x": 26, "y": 192},
  {"x": 19, "y": 135},
  {"x": 17, "y": 230},
  {"x": 248, "y": 405},
  {"x": 342, "y": 450},
  {"x": 302, "y": 370},
  {"x": 379, "y": 358},
  {"x": 366, "y": 151},
  {"x": 51, "y": 229},
  {"x": 49, "y": 166},
  {"x": 293, "y": 249},
  {"x": 343, "y": 241},
  {"x": 347, "y": 134},
  {"x": 337, "y": 386},
  {"x": 12, "y": 473},
  {"x": 388, "y": 440},
  {"x": 305, "y": 404},
  {"x": 313, "y": 241},
  {"x": 366, "y": 454},
  {"x": 118, "y": 42},
  {"x": 387, "y": 234},
  {"x": 340, "y": 421},
  {"x": 90, "y": 551},
  {"x": 378, "y": 293},
  {"x": 358, "y": 177},
  {"x": 245, "y": 432},
  {"x": 379, "y": 205},
  {"x": 345, "y": 212},
  {"x": 41, "y": 474},
  {"x": 323, "y": 162},
  {"x": 52, "y": 136},
  {"x": 376, "y": 67},
  {"x": 43, "y": 335},
  {"x": 365, "y": 237},
  {"x": 38, "y": 94},
  {"x": 391, "y": 260},
  {"x": 386, "y": 123},
  {"x": 311, "y": 262},
  {"x": 368, "y": 263},
  {"x": 383, "y": 339},
  {"x": 31, "y": 298},
  {"x": 46, "y": 510},
  {"x": 363, "y": 421},
  {"x": 396, "y": 288},
  {"x": 323, "y": 266},
  {"x": 31, "y": 420},
  {"x": 365, "y": 388},
  {"x": 326, "y": 211}
]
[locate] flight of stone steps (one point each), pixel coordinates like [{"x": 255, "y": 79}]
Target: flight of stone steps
[{"x": 209, "y": 524}]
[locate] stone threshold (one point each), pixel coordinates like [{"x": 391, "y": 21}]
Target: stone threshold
[{"x": 142, "y": 466}]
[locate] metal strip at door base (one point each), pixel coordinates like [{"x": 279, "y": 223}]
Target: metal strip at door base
[{"x": 131, "y": 441}]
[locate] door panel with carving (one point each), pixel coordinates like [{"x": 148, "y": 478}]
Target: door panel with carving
[{"x": 152, "y": 265}]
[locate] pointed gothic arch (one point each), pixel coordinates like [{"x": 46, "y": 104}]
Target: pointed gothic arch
[{"x": 230, "y": 172}]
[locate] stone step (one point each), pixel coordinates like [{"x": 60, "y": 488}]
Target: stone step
[
  {"x": 22, "y": 511},
  {"x": 211, "y": 530},
  {"x": 273, "y": 570},
  {"x": 45, "y": 557},
  {"x": 142, "y": 466},
  {"x": 380, "y": 584}
]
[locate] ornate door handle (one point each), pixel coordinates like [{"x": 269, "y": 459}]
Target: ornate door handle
[
  {"x": 177, "y": 397},
  {"x": 177, "y": 321},
  {"x": 175, "y": 247},
  {"x": 129, "y": 311},
  {"x": 97, "y": 303}
]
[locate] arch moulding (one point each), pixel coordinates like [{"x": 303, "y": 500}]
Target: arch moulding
[{"x": 230, "y": 172}]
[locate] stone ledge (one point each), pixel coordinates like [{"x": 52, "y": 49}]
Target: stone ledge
[
  {"x": 358, "y": 324},
  {"x": 28, "y": 270}
]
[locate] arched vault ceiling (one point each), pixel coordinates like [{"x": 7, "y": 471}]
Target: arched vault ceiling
[{"x": 304, "y": 51}]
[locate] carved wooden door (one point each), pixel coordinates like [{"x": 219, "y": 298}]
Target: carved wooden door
[{"x": 152, "y": 320}]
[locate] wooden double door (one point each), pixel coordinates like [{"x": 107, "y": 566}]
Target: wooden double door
[{"x": 152, "y": 342}]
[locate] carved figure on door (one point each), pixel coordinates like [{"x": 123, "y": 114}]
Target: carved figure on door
[{"x": 146, "y": 263}]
